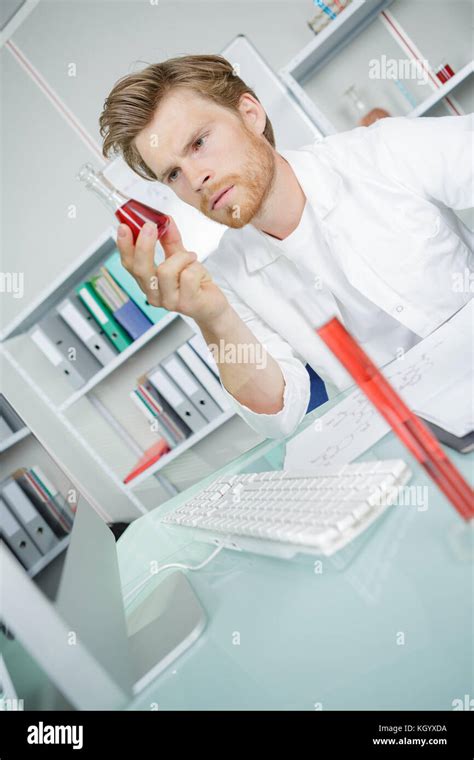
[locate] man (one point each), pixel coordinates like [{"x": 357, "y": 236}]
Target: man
[{"x": 363, "y": 219}]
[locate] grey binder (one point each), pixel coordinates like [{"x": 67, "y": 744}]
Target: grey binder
[
  {"x": 28, "y": 516},
  {"x": 17, "y": 539},
  {"x": 79, "y": 319},
  {"x": 190, "y": 385},
  {"x": 78, "y": 370},
  {"x": 180, "y": 403}
]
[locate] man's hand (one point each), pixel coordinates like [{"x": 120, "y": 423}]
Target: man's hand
[
  {"x": 186, "y": 287},
  {"x": 180, "y": 283}
]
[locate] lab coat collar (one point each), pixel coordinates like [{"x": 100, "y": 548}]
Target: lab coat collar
[
  {"x": 320, "y": 182},
  {"x": 321, "y": 186}
]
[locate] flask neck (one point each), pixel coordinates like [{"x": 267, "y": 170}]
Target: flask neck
[
  {"x": 108, "y": 194},
  {"x": 103, "y": 189}
]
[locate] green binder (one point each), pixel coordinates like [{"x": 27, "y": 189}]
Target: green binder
[
  {"x": 132, "y": 288},
  {"x": 103, "y": 316}
]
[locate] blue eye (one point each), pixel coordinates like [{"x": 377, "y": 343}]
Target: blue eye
[{"x": 197, "y": 143}]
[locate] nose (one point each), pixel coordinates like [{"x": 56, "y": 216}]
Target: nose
[{"x": 199, "y": 180}]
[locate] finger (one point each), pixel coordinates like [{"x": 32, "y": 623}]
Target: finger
[
  {"x": 144, "y": 257},
  {"x": 169, "y": 271},
  {"x": 190, "y": 281},
  {"x": 171, "y": 240},
  {"x": 125, "y": 246}
]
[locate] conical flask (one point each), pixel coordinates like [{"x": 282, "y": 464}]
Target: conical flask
[{"x": 127, "y": 210}]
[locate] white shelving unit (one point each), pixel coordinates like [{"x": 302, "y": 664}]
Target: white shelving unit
[
  {"x": 71, "y": 432},
  {"x": 23, "y": 449},
  {"x": 12, "y": 425},
  {"x": 48, "y": 558},
  {"x": 318, "y": 86},
  {"x": 184, "y": 446},
  {"x": 326, "y": 45},
  {"x": 22, "y": 354},
  {"x": 118, "y": 361},
  {"x": 14, "y": 438},
  {"x": 445, "y": 89}
]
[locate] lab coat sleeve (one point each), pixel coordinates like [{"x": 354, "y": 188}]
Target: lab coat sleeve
[
  {"x": 297, "y": 385},
  {"x": 433, "y": 156}
]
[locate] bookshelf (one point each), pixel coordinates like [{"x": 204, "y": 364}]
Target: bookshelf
[
  {"x": 12, "y": 428},
  {"x": 462, "y": 77},
  {"x": 24, "y": 450},
  {"x": 14, "y": 438},
  {"x": 99, "y": 415},
  {"x": 402, "y": 30}
]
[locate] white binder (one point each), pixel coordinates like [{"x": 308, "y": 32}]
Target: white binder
[
  {"x": 86, "y": 330},
  {"x": 191, "y": 387},
  {"x": 81, "y": 365},
  {"x": 180, "y": 403},
  {"x": 57, "y": 358},
  {"x": 204, "y": 375},
  {"x": 199, "y": 345},
  {"x": 17, "y": 539},
  {"x": 28, "y": 516}
]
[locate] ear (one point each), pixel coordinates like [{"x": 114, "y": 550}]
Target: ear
[{"x": 252, "y": 113}]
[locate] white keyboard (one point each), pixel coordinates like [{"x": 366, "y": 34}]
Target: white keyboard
[{"x": 282, "y": 513}]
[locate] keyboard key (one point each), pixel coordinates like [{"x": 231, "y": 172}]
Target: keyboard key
[{"x": 318, "y": 510}]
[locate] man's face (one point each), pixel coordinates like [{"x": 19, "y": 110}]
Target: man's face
[{"x": 199, "y": 149}]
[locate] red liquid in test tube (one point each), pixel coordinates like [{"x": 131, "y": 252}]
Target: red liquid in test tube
[{"x": 413, "y": 433}]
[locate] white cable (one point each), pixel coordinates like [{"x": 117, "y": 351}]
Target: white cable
[{"x": 179, "y": 565}]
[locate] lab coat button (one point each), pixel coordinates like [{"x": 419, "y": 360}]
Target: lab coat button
[{"x": 399, "y": 307}]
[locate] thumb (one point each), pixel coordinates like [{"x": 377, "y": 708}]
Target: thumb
[{"x": 171, "y": 241}]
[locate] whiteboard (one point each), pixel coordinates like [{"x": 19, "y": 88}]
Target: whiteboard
[{"x": 291, "y": 125}]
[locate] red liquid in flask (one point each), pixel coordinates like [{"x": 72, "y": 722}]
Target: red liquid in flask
[
  {"x": 134, "y": 214},
  {"x": 128, "y": 211}
]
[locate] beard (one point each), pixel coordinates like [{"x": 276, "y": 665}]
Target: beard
[{"x": 254, "y": 185}]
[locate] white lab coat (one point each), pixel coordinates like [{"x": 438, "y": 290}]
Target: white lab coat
[{"x": 383, "y": 196}]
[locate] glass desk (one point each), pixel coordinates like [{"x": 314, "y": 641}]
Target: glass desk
[{"x": 385, "y": 624}]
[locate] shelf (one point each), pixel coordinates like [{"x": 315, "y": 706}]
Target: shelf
[
  {"x": 120, "y": 359},
  {"x": 336, "y": 35},
  {"x": 59, "y": 288},
  {"x": 47, "y": 558},
  {"x": 18, "y": 429},
  {"x": 327, "y": 44},
  {"x": 443, "y": 91},
  {"x": 33, "y": 452},
  {"x": 191, "y": 441},
  {"x": 14, "y": 438}
]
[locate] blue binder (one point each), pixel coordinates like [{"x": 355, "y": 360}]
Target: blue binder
[{"x": 132, "y": 319}]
